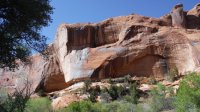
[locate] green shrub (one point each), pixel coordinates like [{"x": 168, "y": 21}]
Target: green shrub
[
  {"x": 188, "y": 94},
  {"x": 127, "y": 79},
  {"x": 158, "y": 101},
  {"x": 93, "y": 95},
  {"x": 115, "y": 91},
  {"x": 82, "y": 106},
  {"x": 88, "y": 106},
  {"x": 15, "y": 102},
  {"x": 38, "y": 104},
  {"x": 133, "y": 95},
  {"x": 119, "y": 106},
  {"x": 87, "y": 85},
  {"x": 157, "y": 98},
  {"x": 94, "y": 92},
  {"x": 105, "y": 97}
]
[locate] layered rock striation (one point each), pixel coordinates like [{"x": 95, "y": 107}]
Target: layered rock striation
[{"x": 133, "y": 44}]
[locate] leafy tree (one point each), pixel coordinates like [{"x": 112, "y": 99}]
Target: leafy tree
[
  {"x": 20, "y": 25},
  {"x": 188, "y": 94}
]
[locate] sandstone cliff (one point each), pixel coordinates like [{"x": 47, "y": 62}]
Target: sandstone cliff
[{"x": 133, "y": 44}]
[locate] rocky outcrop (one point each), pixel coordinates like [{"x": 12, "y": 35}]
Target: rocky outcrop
[
  {"x": 64, "y": 101},
  {"x": 30, "y": 72},
  {"x": 193, "y": 17},
  {"x": 140, "y": 50},
  {"x": 178, "y": 16},
  {"x": 52, "y": 77},
  {"x": 40, "y": 72},
  {"x": 135, "y": 45}
]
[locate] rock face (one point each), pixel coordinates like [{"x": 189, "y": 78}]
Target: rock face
[
  {"x": 178, "y": 16},
  {"x": 40, "y": 73},
  {"x": 64, "y": 101},
  {"x": 133, "y": 44},
  {"x": 193, "y": 17}
]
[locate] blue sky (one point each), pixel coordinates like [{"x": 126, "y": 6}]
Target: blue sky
[{"x": 82, "y": 11}]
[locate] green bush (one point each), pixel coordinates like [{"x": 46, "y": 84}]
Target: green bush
[
  {"x": 38, "y": 104},
  {"x": 158, "y": 100},
  {"x": 133, "y": 95},
  {"x": 188, "y": 94},
  {"x": 88, "y": 106},
  {"x": 127, "y": 79},
  {"x": 16, "y": 101},
  {"x": 82, "y": 106},
  {"x": 94, "y": 92},
  {"x": 116, "y": 91},
  {"x": 87, "y": 85},
  {"x": 118, "y": 106}
]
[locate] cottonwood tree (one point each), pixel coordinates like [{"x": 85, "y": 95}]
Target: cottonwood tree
[{"x": 20, "y": 25}]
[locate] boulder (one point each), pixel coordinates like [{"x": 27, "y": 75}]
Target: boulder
[{"x": 64, "y": 101}]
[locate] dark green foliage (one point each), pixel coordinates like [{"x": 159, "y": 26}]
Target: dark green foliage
[
  {"x": 127, "y": 90},
  {"x": 188, "y": 94},
  {"x": 133, "y": 95},
  {"x": 20, "y": 102},
  {"x": 115, "y": 91},
  {"x": 87, "y": 85},
  {"x": 16, "y": 102},
  {"x": 20, "y": 25},
  {"x": 127, "y": 79},
  {"x": 94, "y": 92}
]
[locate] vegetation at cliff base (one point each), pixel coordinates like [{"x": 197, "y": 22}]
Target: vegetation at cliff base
[
  {"x": 116, "y": 98},
  {"x": 188, "y": 94},
  {"x": 37, "y": 104},
  {"x": 160, "y": 99}
]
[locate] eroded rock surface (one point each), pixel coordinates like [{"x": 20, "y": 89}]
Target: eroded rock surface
[
  {"x": 193, "y": 17},
  {"x": 40, "y": 73},
  {"x": 178, "y": 16},
  {"x": 133, "y": 44}
]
